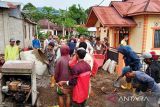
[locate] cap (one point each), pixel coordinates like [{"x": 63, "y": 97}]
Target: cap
[
  {"x": 126, "y": 69},
  {"x": 146, "y": 55},
  {"x": 12, "y": 40}
]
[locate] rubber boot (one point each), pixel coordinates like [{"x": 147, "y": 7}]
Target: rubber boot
[
  {"x": 124, "y": 86},
  {"x": 52, "y": 82},
  {"x": 129, "y": 86}
]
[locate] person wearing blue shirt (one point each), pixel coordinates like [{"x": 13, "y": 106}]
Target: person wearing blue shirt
[
  {"x": 72, "y": 46},
  {"x": 36, "y": 43},
  {"x": 131, "y": 59},
  {"x": 141, "y": 81}
]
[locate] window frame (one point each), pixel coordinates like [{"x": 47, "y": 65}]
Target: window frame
[{"x": 154, "y": 29}]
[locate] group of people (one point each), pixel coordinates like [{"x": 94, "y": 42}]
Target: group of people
[
  {"x": 135, "y": 77},
  {"x": 70, "y": 64}
]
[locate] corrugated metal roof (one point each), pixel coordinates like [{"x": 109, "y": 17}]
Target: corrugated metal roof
[
  {"x": 4, "y": 4},
  {"x": 108, "y": 16},
  {"x": 136, "y": 7}
]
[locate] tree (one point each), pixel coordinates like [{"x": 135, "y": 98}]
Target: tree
[
  {"x": 31, "y": 12},
  {"x": 29, "y": 6},
  {"x": 77, "y": 13},
  {"x": 65, "y": 21},
  {"x": 48, "y": 13},
  {"x": 82, "y": 31}
]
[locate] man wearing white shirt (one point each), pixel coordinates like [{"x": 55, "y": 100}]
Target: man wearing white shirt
[
  {"x": 88, "y": 58},
  {"x": 89, "y": 48},
  {"x": 47, "y": 41}
]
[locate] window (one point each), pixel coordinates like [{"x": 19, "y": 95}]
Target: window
[
  {"x": 25, "y": 31},
  {"x": 157, "y": 39}
]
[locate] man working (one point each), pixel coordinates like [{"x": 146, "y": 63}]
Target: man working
[
  {"x": 141, "y": 81},
  {"x": 11, "y": 51},
  {"x": 153, "y": 68},
  {"x": 131, "y": 59}
]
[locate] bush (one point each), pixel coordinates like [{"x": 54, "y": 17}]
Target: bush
[{"x": 82, "y": 31}]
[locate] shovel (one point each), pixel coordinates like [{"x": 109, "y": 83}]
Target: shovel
[{"x": 116, "y": 84}]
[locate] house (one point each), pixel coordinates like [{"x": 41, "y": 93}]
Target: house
[
  {"x": 48, "y": 26},
  {"x": 139, "y": 19},
  {"x": 13, "y": 24},
  {"x": 92, "y": 31}
]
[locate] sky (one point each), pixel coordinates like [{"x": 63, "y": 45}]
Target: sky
[{"x": 63, "y": 4}]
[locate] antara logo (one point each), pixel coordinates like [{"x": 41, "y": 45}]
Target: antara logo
[{"x": 133, "y": 98}]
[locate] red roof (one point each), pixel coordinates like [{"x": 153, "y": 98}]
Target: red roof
[
  {"x": 45, "y": 22},
  {"x": 137, "y": 7},
  {"x": 108, "y": 16},
  {"x": 122, "y": 7}
]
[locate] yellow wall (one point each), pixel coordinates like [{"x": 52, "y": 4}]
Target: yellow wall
[
  {"x": 136, "y": 34},
  {"x": 103, "y": 33},
  {"x": 111, "y": 37},
  {"x": 152, "y": 19}
]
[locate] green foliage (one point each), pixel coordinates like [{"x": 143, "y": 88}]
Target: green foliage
[
  {"x": 48, "y": 13},
  {"x": 82, "y": 31},
  {"x": 29, "y": 6},
  {"x": 74, "y": 15},
  {"x": 66, "y": 18},
  {"x": 35, "y": 14},
  {"x": 68, "y": 22},
  {"x": 77, "y": 13}
]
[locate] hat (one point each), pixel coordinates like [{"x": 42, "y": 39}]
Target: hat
[
  {"x": 154, "y": 55},
  {"x": 126, "y": 69},
  {"x": 12, "y": 40},
  {"x": 146, "y": 55}
]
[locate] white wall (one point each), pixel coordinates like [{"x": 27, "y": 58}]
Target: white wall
[
  {"x": 14, "y": 27},
  {"x": 1, "y": 34}
]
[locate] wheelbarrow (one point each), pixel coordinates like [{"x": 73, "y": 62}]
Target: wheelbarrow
[{"x": 99, "y": 58}]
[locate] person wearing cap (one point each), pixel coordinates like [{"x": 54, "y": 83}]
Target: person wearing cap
[
  {"x": 50, "y": 55},
  {"x": 141, "y": 81},
  {"x": 154, "y": 55},
  {"x": 80, "y": 80},
  {"x": 153, "y": 68},
  {"x": 11, "y": 51}
]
